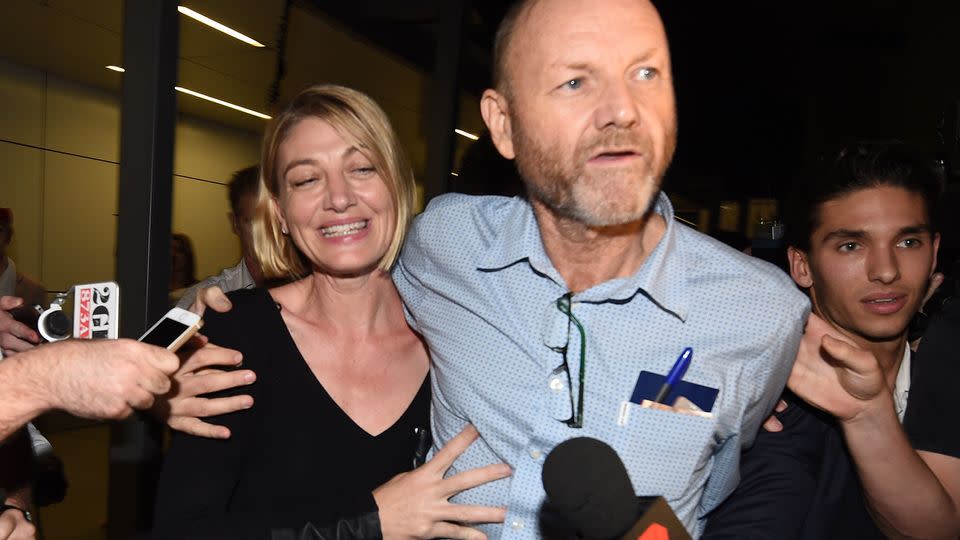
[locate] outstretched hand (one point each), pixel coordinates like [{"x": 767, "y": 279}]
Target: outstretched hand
[
  {"x": 416, "y": 504},
  {"x": 100, "y": 378},
  {"x": 183, "y": 406},
  {"x": 201, "y": 373},
  {"x": 834, "y": 375}
]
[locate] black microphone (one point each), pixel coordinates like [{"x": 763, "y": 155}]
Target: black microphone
[
  {"x": 56, "y": 325},
  {"x": 587, "y": 482}
]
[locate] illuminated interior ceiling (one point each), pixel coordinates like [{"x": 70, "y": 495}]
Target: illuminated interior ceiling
[
  {"x": 777, "y": 75},
  {"x": 78, "y": 39}
]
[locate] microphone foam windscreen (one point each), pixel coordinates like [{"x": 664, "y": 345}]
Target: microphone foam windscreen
[
  {"x": 58, "y": 324},
  {"x": 587, "y": 482}
]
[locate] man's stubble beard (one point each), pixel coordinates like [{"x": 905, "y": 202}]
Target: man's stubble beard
[{"x": 595, "y": 200}]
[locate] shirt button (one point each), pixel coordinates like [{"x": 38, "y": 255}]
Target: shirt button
[
  {"x": 536, "y": 454},
  {"x": 556, "y": 385},
  {"x": 517, "y": 524}
]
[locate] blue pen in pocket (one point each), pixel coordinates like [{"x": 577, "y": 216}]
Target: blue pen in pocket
[{"x": 676, "y": 374}]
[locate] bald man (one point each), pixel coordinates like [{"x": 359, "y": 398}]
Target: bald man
[{"x": 549, "y": 317}]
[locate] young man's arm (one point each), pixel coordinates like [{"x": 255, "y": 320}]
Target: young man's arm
[
  {"x": 912, "y": 494},
  {"x": 909, "y": 497}
]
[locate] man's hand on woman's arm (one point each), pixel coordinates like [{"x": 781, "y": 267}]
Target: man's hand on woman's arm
[
  {"x": 185, "y": 406},
  {"x": 416, "y": 504}
]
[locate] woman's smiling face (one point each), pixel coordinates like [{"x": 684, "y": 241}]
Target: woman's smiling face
[{"x": 338, "y": 210}]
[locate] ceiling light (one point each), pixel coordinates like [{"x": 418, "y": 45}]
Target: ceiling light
[
  {"x": 454, "y": 174},
  {"x": 218, "y": 26},
  {"x": 465, "y": 134},
  {"x": 221, "y": 102},
  {"x": 206, "y": 97}
]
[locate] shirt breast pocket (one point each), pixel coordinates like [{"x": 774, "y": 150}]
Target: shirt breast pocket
[{"x": 662, "y": 449}]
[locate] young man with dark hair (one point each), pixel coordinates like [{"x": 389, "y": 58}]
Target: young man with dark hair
[{"x": 863, "y": 245}]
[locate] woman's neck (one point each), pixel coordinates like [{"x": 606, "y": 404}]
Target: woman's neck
[{"x": 366, "y": 304}]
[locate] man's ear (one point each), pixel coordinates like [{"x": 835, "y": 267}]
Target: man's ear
[
  {"x": 234, "y": 223},
  {"x": 936, "y": 250},
  {"x": 496, "y": 114},
  {"x": 799, "y": 267}
]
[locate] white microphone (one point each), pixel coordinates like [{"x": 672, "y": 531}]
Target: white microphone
[{"x": 96, "y": 313}]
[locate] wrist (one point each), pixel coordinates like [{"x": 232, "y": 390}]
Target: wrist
[
  {"x": 876, "y": 411},
  {"x": 31, "y": 381}
]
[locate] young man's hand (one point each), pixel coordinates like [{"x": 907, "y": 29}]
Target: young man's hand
[{"x": 834, "y": 375}]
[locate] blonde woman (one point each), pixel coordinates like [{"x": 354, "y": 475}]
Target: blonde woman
[{"x": 342, "y": 392}]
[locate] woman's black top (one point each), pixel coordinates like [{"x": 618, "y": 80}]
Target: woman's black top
[{"x": 294, "y": 458}]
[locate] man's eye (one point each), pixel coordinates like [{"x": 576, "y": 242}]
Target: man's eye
[
  {"x": 648, "y": 73},
  {"x": 848, "y": 246},
  {"x": 573, "y": 84},
  {"x": 909, "y": 243}
]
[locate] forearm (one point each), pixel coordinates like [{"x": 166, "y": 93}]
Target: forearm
[
  {"x": 21, "y": 394},
  {"x": 905, "y": 497}
]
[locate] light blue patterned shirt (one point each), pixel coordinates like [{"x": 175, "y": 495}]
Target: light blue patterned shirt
[{"x": 478, "y": 285}]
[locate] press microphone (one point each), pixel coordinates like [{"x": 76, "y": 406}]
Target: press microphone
[
  {"x": 96, "y": 313},
  {"x": 587, "y": 482}
]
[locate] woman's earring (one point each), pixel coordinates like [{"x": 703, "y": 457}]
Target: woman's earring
[{"x": 284, "y": 230}]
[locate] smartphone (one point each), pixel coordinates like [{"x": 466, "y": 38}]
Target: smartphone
[{"x": 173, "y": 330}]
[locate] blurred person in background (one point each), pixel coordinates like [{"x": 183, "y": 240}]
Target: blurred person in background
[
  {"x": 183, "y": 266},
  {"x": 243, "y": 191},
  {"x": 12, "y": 282},
  {"x": 28, "y": 452}
]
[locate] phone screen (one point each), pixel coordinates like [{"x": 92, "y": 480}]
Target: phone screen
[{"x": 166, "y": 332}]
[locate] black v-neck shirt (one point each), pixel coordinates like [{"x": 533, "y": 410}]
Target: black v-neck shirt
[{"x": 294, "y": 457}]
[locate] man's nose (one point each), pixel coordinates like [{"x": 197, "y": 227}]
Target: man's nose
[
  {"x": 883, "y": 266},
  {"x": 618, "y": 106}
]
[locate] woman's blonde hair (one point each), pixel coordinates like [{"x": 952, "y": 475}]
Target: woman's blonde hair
[{"x": 358, "y": 119}]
